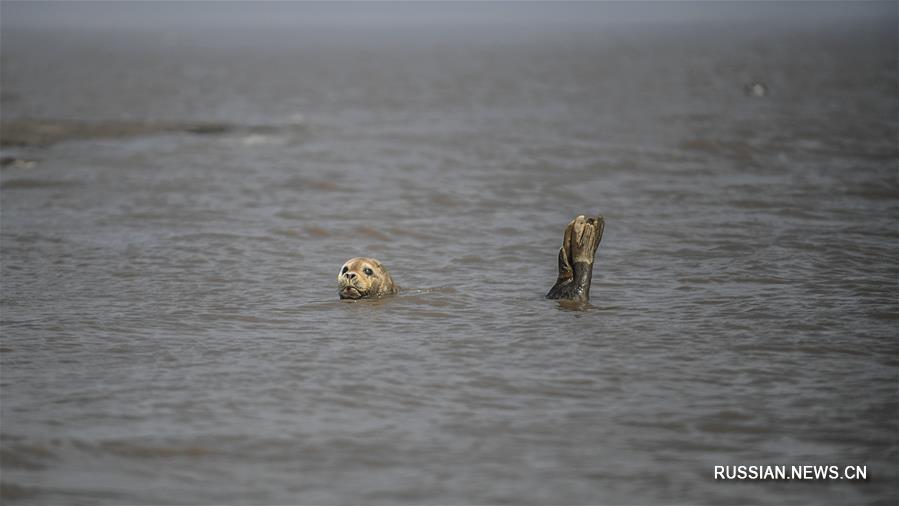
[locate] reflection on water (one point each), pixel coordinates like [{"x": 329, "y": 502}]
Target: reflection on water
[{"x": 171, "y": 329}]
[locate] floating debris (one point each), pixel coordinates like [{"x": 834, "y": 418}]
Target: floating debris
[
  {"x": 755, "y": 89},
  {"x": 17, "y": 163}
]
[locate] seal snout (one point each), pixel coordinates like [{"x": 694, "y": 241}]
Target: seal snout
[{"x": 349, "y": 292}]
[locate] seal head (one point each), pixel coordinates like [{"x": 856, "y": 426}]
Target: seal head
[{"x": 361, "y": 278}]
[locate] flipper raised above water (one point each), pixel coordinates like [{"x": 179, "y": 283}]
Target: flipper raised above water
[{"x": 579, "y": 243}]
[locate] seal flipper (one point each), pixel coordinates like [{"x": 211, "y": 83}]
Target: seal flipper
[{"x": 579, "y": 243}]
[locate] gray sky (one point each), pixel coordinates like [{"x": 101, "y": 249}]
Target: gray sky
[{"x": 167, "y": 15}]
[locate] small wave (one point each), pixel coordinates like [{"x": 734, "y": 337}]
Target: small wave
[
  {"x": 573, "y": 305},
  {"x": 372, "y": 233},
  {"x": 287, "y": 232},
  {"x": 25, "y": 132},
  {"x": 32, "y": 184},
  {"x": 17, "y": 163},
  {"x": 30, "y": 457},
  {"x": 13, "y": 492},
  {"x": 444, "y": 200},
  {"x": 203, "y": 237},
  {"x": 469, "y": 260},
  {"x": 316, "y": 231},
  {"x": 260, "y": 140},
  {"x": 134, "y": 450},
  {"x": 409, "y": 232},
  {"x": 422, "y": 291},
  {"x": 298, "y": 183},
  {"x": 735, "y": 149},
  {"x": 32, "y": 238}
]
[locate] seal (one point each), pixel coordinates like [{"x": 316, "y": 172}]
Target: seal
[
  {"x": 362, "y": 278},
  {"x": 579, "y": 243}
]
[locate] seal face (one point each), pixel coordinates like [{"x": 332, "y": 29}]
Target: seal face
[{"x": 361, "y": 278}]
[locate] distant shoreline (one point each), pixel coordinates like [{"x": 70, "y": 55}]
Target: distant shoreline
[{"x": 35, "y": 133}]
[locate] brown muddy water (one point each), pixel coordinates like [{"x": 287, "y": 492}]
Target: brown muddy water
[{"x": 171, "y": 332}]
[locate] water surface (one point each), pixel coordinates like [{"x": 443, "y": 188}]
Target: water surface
[{"x": 171, "y": 332}]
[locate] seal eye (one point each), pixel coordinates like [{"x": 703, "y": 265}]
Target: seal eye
[
  {"x": 343, "y": 271},
  {"x": 367, "y": 271}
]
